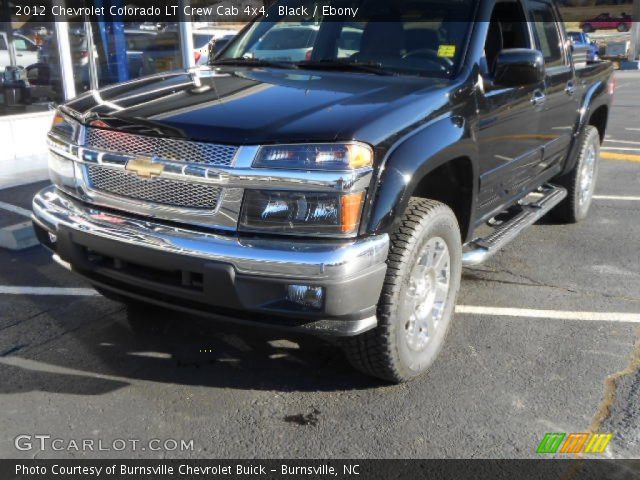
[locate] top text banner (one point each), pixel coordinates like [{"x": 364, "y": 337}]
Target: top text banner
[{"x": 299, "y": 11}]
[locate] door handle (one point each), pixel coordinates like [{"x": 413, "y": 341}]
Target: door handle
[
  {"x": 539, "y": 98},
  {"x": 570, "y": 89}
]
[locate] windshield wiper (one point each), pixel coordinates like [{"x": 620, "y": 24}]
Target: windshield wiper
[
  {"x": 368, "y": 67},
  {"x": 253, "y": 62}
]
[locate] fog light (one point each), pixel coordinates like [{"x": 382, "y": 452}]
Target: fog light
[
  {"x": 53, "y": 238},
  {"x": 306, "y": 295}
]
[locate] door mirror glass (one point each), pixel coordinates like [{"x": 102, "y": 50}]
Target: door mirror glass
[{"x": 519, "y": 67}]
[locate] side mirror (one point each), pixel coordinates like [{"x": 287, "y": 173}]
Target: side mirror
[{"x": 517, "y": 67}]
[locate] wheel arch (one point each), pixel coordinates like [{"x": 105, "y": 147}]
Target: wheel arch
[
  {"x": 599, "y": 118},
  {"x": 448, "y": 172}
]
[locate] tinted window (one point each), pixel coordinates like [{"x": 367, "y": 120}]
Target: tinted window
[
  {"x": 412, "y": 37},
  {"x": 547, "y": 34},
  {"x": 3, "y": 44}
]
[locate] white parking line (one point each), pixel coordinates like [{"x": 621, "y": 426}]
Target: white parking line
[
  {"x": 621, "y": 149},
  {"x": 628, "y": 142},
  {"x": 66, "y": 292},
  {"x": 462, "y": 309},
  {"x": 553, "y": 314},
  {"x": 12, "y": 208},
  {"x": 616, "y": 197}
]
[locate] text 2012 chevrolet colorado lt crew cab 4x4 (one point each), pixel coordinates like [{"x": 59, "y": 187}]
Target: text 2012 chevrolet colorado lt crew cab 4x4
[{"x": 339, "y": 194}]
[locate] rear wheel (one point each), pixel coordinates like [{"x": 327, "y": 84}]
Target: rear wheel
[
  {"x": 587, "y": 28},
  {"x": 418, "y": 297},
  {"x": 623, "y": 27},
  {"x": 580, "y": 182}
]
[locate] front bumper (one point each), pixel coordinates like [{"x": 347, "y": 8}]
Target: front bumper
[{"x": 237, "y": 279}]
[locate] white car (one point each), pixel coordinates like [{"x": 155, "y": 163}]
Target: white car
[{"x": 26, "y": 51}]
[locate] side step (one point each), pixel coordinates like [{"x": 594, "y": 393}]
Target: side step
[{"x": 479, "y": 250}]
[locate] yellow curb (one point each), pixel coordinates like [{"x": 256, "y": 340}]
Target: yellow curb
[{"x": 627, "y": 157}]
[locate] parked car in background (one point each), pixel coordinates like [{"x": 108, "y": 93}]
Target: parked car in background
[
  {"x": 26, "y": 50},
  {"x": 605, "y": 21},
  {"x": 582, "y": 42}
]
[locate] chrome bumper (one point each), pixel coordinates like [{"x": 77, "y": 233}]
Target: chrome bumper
[{"x": 296, "y": 259}]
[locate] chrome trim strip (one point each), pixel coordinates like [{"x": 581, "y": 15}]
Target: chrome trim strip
[{"x": 284, "y": 258}]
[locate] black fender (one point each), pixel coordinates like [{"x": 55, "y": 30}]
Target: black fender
[
  {"x": 412, "y": 158},
  {"x": 595, "y": 97}
]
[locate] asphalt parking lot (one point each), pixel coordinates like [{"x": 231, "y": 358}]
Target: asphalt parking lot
[{"x": 566, "y": 359}]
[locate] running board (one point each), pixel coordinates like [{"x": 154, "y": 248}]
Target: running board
[{"x": 479, "y": 250}]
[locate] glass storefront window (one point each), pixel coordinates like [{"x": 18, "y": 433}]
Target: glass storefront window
[
  {"x": 104, "y": 49},
  {"x": 30, "y": 76}
]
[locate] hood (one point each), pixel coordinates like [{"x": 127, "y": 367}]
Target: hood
[{"x": 260, "y": 106}]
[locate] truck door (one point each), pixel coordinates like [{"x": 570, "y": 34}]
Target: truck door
[
  {"x": 561, "y": 105},
  {"x": 509, "y": 118}
]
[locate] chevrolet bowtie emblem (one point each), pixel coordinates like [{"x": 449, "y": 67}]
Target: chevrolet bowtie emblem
[{"x": 144, "y": 167}]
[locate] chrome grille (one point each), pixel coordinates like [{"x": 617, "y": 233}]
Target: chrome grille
[
  {"x": 163, "y": 148},
  {"x": 155, "y": 190}
]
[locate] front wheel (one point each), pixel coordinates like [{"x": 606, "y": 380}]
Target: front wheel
[
  {"x": 580, "y": 182},
  {"x": 622, "y": 27},
  {"x": 417, "y": 302}
]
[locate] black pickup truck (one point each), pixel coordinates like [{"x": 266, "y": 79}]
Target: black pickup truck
[{"x": 333, "y": 182}]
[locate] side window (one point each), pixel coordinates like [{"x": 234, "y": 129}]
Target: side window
[
  {"x": 20, "y": 44},
  {"x": 546, "y": 27},
  {"x": 507, "y": 29},
  {"x": 3, "y": 43}
]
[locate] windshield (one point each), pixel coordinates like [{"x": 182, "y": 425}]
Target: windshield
[{"x": 403, "y": 37}]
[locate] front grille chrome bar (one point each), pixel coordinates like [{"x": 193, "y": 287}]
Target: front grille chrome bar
[{"x": 162, "y": 148}]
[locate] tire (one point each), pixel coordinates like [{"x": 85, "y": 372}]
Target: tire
[
  {"x": 402, "y": 347},
  {"x": 581, "y": 180},
  {"x": 587, "y": 28},
  {"x": 622, "y": 28}
]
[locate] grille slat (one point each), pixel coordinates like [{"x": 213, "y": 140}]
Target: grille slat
[
  {"x": 155, "y": 190},
  {"x": 163, "y": 148}
]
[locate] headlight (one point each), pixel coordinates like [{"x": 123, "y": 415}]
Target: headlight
[
  {"x": 62, "y": 170},
  {"x": 63, "y": 127},
  {"x": 339, "y": 156},
  {"x": 301, "y": 213}
]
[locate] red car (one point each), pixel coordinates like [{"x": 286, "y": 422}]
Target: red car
[{"x": 604, "y": 21}]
